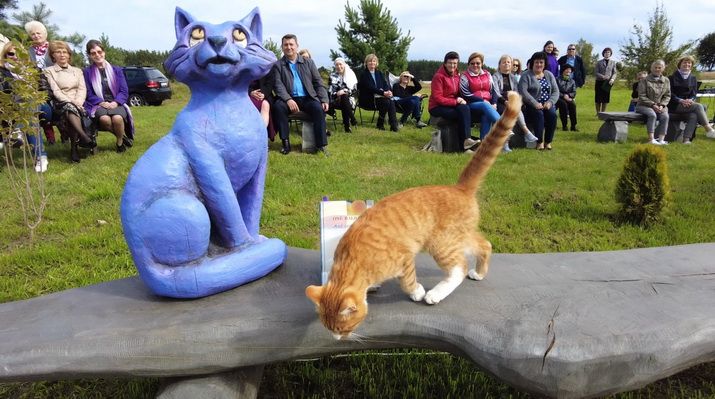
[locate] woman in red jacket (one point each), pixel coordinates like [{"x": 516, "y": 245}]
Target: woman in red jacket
[{"x": 445, "y": 101}]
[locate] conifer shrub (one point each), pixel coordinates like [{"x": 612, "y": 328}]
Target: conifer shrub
[{"x": 643, "y": 189}]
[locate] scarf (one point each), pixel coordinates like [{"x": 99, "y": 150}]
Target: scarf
[
  {"x": 41, "y": 49},
  {"x": 348, "y": 75},
  {"x": 96, "y": 77},
  {"x": 684, "y": 74}
]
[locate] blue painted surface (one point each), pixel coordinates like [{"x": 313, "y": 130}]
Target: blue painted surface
[{"x": 192, "y": 203}]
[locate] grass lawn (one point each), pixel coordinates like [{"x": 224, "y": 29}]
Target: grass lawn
[{"x": 532, "y": 201}]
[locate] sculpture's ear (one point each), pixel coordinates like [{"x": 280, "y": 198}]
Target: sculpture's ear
[
  {"x": 253, "y": 20},
  {"x": 313, "y": 292},
  {"x": 181, "y": 19}
]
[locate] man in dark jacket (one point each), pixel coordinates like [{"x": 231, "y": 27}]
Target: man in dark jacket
[
  {"x": 578, "y": 72},
  {"x": 298, "y": 87}
]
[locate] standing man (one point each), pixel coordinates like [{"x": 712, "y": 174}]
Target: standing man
[
  {"x": 578, "y": 72},
  {"x": 298, "y": 87}
]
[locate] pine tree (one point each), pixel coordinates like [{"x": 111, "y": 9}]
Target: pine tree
[
  {"x": 706, "y": 51},
  {"x": 371, "y": 29},
  {"x": 644, "y": 47}
]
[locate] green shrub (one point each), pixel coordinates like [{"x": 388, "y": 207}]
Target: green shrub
[{"x": 643, "y": 187}]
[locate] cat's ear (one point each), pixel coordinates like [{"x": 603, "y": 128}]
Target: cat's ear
[
  {"x": 181, "y": 19},
  {"x": 253, "y": 21},
  {"x": 314, "y": 292}
]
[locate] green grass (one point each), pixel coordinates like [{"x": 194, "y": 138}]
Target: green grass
[{"x": 549, "y": 201}]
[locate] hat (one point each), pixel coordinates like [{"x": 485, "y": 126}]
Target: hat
[{"x": 407, "y": 73}]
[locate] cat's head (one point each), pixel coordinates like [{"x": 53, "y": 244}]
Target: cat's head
[
  {"x": 218, "y": 54},
  {"x": 340, "y": 310}
]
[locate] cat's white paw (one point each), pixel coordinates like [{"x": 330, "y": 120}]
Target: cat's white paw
[
  {"x": 474, "y": 275},
  {"x": 432, "y": 297},
  {"x": 418, "y": 293}
]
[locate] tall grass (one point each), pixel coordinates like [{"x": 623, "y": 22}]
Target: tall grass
[{"x": 532, "y": 201}]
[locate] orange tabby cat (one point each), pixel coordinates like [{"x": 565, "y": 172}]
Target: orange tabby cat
[{"x": 383, "y": 242}]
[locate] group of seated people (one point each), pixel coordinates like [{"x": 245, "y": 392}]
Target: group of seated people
[
  {"x": 78, "y": 101},
  {"x": 294, "y": 84},
  {"x": 658, "y": 96}
]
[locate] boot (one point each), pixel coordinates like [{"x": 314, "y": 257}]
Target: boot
[
  {"x": 380, "y": 123},
  {"x": 286, "y": 146},
  {"x": 74, "y": 152}
]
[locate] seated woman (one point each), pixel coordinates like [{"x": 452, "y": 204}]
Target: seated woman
[
  {"x": 539, "y": 92},
  {"x": 684, "y": 87},
  {"x": 41, "y": 57},
  {"x": 8, "y": 56},
  {"x": 653, "y": 99},
  {"x": 405, "y": 99},
  {"x": 260, "y": 92},
  {"x": 343, "y": 84},
  {"x": 504, "y": 81},
  {"x": 375, "y": 93},
  {"x": 69, "y": 92},
  {"x": 567, "y": 98},
  {"x": 446, "y": 102},
  {"x": 476, "y": 87},
  {"x": 107, "y": 95}
]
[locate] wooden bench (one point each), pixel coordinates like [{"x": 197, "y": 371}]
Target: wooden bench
[
  {"x": 561, "y": 324},
  {"x": 615, "y": 126}
]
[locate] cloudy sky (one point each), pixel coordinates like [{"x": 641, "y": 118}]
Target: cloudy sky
[{"x": 516, "y": 27}]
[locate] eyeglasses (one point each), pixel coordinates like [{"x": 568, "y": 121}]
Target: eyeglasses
[
  {"x": 516, "y": 65},
  {"x": 10, "y": 54},
  {"x": 572, "y": 48},
  {"x": 475, "y": 63}
]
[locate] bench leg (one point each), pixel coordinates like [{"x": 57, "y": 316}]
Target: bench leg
[
  {"x": 242, "y": 383},
  {"x": 613, "y": 131}
]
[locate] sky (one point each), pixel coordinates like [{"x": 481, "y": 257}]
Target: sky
[{"x": 515, "y": 27}]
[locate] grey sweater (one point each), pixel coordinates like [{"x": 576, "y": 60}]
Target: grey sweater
[{"x": 529, "y": 88}]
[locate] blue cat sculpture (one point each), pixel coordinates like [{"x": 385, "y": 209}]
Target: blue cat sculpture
[{"x": 191, "y": 205}]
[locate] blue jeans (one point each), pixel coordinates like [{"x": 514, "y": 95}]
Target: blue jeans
[
  {"x": 543, "y": 121},
  {"x": 487, "y": 116},
  {"x": 461, "y": 114},
  {"x": 409, "y": 106}
]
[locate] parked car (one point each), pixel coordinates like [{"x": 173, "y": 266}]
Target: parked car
[{"x": 147, "y": 85}]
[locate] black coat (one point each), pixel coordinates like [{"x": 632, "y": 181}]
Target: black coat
[{"x": 368, "y": 88}]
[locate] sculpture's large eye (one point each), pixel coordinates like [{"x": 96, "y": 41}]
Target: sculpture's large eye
[
  {"x": 197, "y": 36},
  {"x": 239, "y": 37}
]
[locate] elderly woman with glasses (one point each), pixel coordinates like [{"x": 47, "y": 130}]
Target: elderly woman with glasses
[
  {"x": 578, "y": 71},
  {"x": 69, "y": 92},
  {"x": 476, "y": 87},
  {"x": 107, "y": 95}
]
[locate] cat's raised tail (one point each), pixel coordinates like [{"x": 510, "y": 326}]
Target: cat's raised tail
[{"x": 491, "y": 147}]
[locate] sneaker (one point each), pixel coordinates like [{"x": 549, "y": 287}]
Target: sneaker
[
  {"x": 663, "y": 142},
  {"x": 687, "y": 142},
  {"x": 41, "y": 165},
  {"x": 469, "y": 143},
  {"x": 529, "y": 137},
  {"x": 710, "y": 134},
  {"x": 420, "y": 124},
  {"x": 655, "y": 142},
  {"x": 506, "y": 148},
  {"x": 469, "y": 151}
]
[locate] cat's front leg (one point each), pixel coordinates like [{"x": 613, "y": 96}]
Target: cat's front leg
[{"x": 409, "y": 284}]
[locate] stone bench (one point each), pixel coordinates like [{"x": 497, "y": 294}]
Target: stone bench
[
  {"x": 560, "y": 324},
  {"x": 615, "y": 126},
  {"x": 449, "y": 133}
]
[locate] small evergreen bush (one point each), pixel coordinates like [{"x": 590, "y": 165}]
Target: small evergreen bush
[{"x": 643, "y": 188}]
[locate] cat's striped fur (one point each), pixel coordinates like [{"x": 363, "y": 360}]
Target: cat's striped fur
[{"x": 383, "y": 242}]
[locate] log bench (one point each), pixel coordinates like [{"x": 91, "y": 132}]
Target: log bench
[
  {"x": 615, "y": 126},
  {"x": 565, "y": 325}
]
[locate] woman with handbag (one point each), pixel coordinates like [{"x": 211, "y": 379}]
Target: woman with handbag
[
  {"x": 605, "y": 78},
  {"x": 69, "y": 93},
  {"x": 107, "y": 95}
]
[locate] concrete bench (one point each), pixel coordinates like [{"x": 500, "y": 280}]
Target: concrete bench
[
  {"x": 615, "y": 125},
  {"x": 449, "y": 133},
  {"x": 561, "y": 324}
]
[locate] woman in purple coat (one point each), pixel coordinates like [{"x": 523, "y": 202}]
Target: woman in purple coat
[
  {"x": 107, "y": 95},
  {"x": 552, "y": 60}
]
